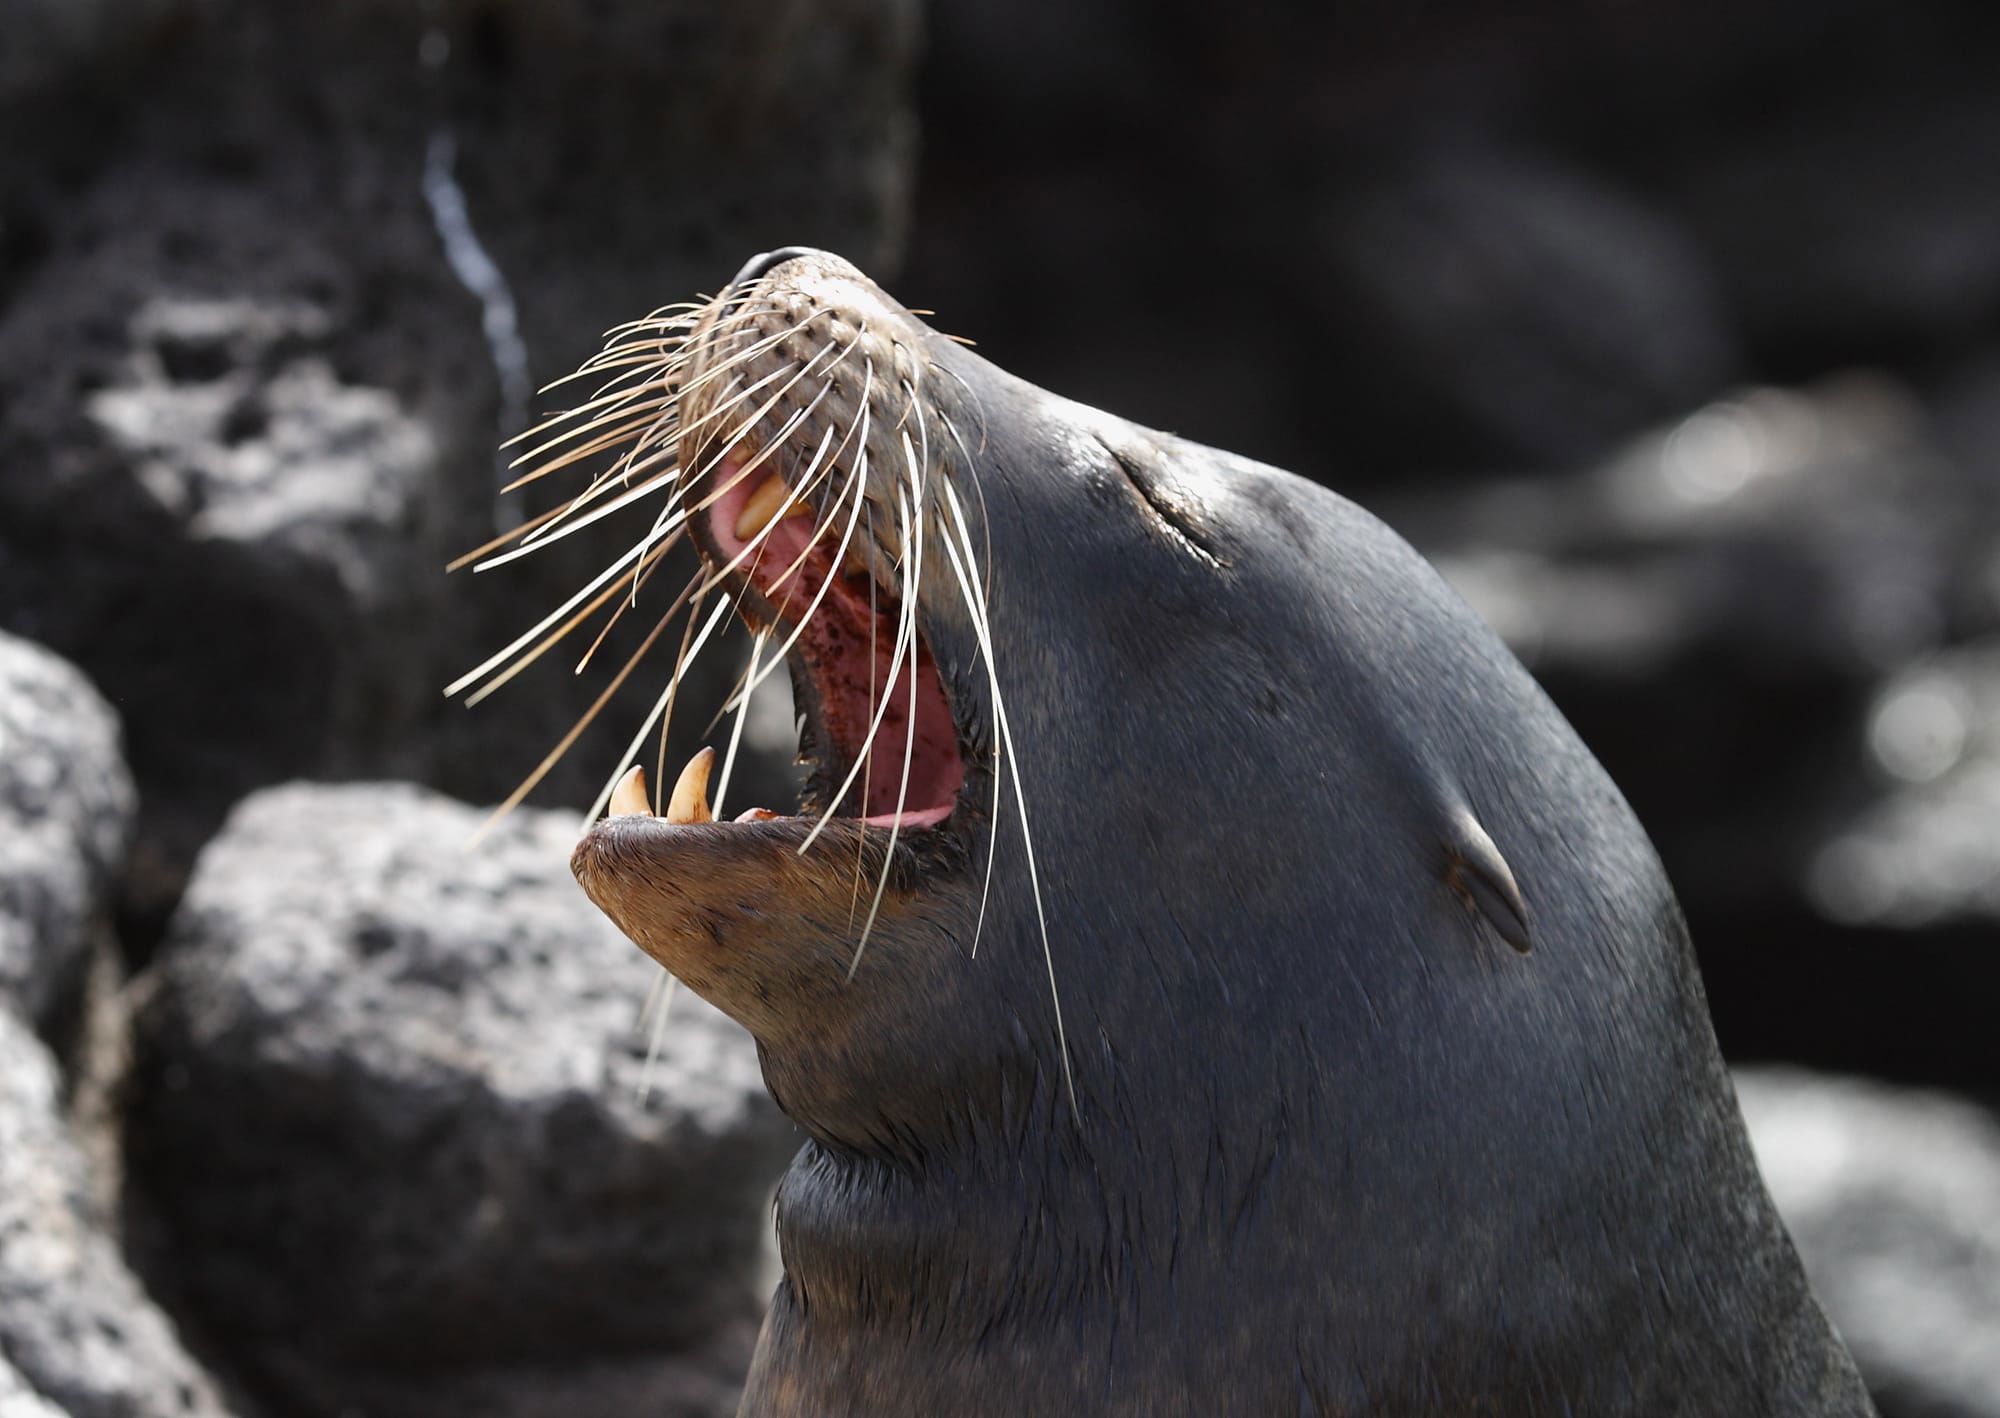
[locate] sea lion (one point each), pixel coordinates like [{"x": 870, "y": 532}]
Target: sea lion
[{"x": 1211, "y": 976}]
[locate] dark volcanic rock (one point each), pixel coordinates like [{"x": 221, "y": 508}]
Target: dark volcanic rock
[
  {"x": 1925, "y": 851},
  {"x": 1894, "y": 1199},
  {"x": 65, "y": 812},
  {"x": 258, "y": 341},
  {"x": 75, "y": 1326},
  {"x": 409, "y": 1072},
  {"x": 1861, "y": 225},
  {"x": 1714, "y": 606},
  {"x": 1715, "y": 609},
  {"x": 1538, "y": 308}
]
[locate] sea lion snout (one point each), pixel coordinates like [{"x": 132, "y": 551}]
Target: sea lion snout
[{"x": 765, "y": 262}]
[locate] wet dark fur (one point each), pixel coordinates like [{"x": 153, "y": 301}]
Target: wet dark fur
[{"x": 1338, "y": 1146}]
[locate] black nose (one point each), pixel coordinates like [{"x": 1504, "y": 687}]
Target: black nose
[{"x": 759, "y": 265}]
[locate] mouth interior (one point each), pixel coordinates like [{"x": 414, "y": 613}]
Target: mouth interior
[{"x": 847, "y": 647}]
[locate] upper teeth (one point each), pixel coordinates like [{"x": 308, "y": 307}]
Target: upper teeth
[{"x": 761, "y": 507}]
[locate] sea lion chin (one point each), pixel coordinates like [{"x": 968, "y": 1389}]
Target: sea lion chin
[{"x": 1211, "y": 976}]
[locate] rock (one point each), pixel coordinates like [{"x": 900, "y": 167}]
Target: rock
[
  {"x": 276, "y": 281},
  {"x": 702, "y": 1385},
  {"x": 48, "y": 41},
  {"x": 1893, "y": 1197},
  {"x": 410, "y": 1071},
  {"x": 75, "y": 1326},
  {"x": 1539, "y": 309},
  {"x": 1862, "y": 223},
  {"x": 1713, "y": 607},
  {"x": 1925, "y": 852},
  {"x": 65, "y": 811},
  {"x": 17, "y": 1400}
]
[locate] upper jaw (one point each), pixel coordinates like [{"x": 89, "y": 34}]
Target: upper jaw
[{"x": 808, "y": 589}]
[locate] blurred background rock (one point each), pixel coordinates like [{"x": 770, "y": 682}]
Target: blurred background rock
[{"x": 1672, "y": 333}]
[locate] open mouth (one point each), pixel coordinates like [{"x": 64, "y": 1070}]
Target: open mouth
[{"x": 877, "y": 731}]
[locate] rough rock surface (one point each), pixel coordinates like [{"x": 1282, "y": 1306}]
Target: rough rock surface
[
  {"x": 275, "y": 280},
  {"x": 410, "y": 1072},
  {"x": 1752, "y": 569},
  {"x": 75, "y": 1326},
  {"x": 17, "y": 1400},
  {"x": 1893, "y": 1196},
  {"x": 65, "y": 810},
  {"x": 1714, "y": 608},
  {"x": 1538, "y": 308},
  {"x": 1922, "y": 852}
]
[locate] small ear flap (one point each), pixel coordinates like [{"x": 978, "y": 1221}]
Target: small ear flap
[{"x": 1482, "y": 878}]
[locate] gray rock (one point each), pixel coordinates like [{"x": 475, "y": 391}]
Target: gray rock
[
  {"x": 277, "y": 279},
  {"x": 1893, "y": 1196},
  {"x": 75, "y": 1326},
  {"x": 1714, "y": 606},
  {"x": 1548, "y": 312},
  {"x": 49, "y": 40},
  {"x": 706, "y": 1384},
  {"x": 1925, "y": 850},
  {"x": 409, "y": 1071},
  {"x": 66, "y": 807},
  {"x": 17, "y": 1400},
  {"x": 1860, "y": 222}
]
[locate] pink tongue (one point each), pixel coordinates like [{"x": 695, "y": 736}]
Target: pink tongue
[{"x": 915, "y": 817}]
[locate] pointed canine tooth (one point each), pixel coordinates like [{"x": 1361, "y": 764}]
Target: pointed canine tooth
[
  {"x": 690, "y": 800},
  {"x": 629, "y": 799},
  {"x": 756, "y": 814},
  {"x": 762, "y": 506}
]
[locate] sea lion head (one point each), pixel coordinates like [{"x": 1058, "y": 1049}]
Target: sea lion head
[
  {"x": 1180, "y": 859},
  {"x": 1123, "y": 687}
]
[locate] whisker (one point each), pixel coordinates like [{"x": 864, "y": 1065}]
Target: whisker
[
  {"x": 505, "y": 537},
  {"x": 905, "y": 630},
  {"x": 975, "y": 609},
  {"x": 562, "y": 632},
  {"x": 653, "y": 561},
  {"x": 660, "y": 780},
  {"x": 657, "y": 1035},
  {"x": 874, "y": 618},
  {"x": 913, "y": 538},
  {"x": 555, "y": 754},
  {"x": 658, "y": 711},
  {"x": 453, "y": 689},
  {"x": 568, "y": 529},
  {"x": 839, "y": 558},
  {"x": 1021, "y": 807},
  {"x": 736, "y": 729}
]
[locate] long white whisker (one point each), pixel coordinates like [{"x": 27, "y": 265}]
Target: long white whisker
[
  {"x": 661, "y": 783},
  {"x": 626, "y": 499},
  {"x": 658, "y": 1033},
  {"x": 819, "y": 596},
  {"x": 905, "y": 632},
  {"x": 659, "y": 708},
  {"x": 912, "y": 572},
  {"x": 975, "y": 609},
  {"x": 514, "y": 647},
  {"x": 736, "y": 729},
  {"x": 1021, "y": 806}
]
